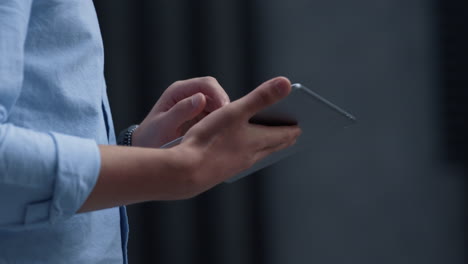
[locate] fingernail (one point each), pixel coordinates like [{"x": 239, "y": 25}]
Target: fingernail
[{"x": 196, "y": 100}]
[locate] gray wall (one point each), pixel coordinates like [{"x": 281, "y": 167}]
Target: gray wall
[{"x": 381, "y": 191}]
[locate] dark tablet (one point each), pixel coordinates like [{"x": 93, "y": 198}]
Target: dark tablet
[{"x": 317, "y": 117}]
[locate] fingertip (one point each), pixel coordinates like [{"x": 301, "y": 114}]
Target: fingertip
[
  {"x": 198, "y": 101},
  {"x": 298, "y": 131},
  {"x": 282, "y": 86},
  {"x": 284, "y": 79}
]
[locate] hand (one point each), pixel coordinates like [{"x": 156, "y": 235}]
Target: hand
[
  {"x": 225, "y": 143},
  {"x": 182, "y": 105},
  {"x": 213, "y": 150}
]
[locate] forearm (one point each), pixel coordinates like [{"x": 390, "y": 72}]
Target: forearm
[{"x": 131, "y": 175}]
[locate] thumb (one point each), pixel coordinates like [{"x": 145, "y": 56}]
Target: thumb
[
  {"x": 265, "y": 95},
  {"x": 187, "y": 109}
]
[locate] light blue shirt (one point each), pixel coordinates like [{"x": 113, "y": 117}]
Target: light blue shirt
[{"x": 53, "y": 114}]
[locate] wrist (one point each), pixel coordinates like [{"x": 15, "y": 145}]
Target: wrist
[
  {"x": 133, "y": 175},
  {"x": 136, "y": 137},
  {"x": 126, "y": 136},
  {"x": 185, "y": 162}
]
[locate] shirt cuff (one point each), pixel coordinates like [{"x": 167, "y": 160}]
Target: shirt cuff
[{"x": 78, "y": 166}]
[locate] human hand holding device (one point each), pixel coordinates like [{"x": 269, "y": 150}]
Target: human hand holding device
[
  {"x": 317, "y": 117},
  {"x": 183, "y": 104},
  {"x": 218, "y": 147},
  {"x": 225, "y": 143}
]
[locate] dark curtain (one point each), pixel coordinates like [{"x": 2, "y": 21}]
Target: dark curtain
[
  {"x": 453, "y": 48},
  {"x": 149, "y": 45},
  {"x": 387, "y": 207},
  {"x": 454, "y": 77}
]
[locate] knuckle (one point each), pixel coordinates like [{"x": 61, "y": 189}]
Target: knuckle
[
  {"x": 176, "y": 83},
  {"x": 209, "y": 79}
]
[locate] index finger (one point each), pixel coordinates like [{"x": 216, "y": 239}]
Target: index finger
[
  {"x": 265, "y": 95},
  {"x": 209, "y": 86}
]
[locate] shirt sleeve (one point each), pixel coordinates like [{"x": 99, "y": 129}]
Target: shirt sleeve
[{"x": 45, "y": 177}]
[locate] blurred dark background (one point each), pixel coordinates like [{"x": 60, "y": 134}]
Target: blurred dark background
[{"x": 392, "y": 189}]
